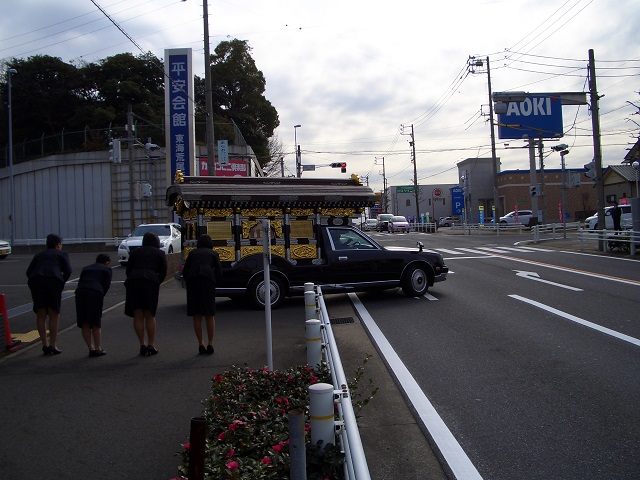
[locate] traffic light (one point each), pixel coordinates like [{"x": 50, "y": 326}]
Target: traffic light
[
  {"x": 591, "y": 169},
  {"x": 115, "y": 152},
  {"x": 341, "y": 165},
  {"x": 533, "y": 191}
]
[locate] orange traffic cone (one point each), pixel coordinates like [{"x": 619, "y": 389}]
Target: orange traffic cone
[{"x": 9, "y": 342}]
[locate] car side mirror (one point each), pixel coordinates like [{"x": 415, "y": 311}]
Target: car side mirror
[{"x": 420, "y": 245}]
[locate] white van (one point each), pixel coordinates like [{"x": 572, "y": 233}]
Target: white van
[{"x": 625, "y": 220}]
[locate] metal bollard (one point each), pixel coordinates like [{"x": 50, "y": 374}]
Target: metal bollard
[
  {"x": 314, "y": 342},
  {"x": 297, "y": 449},
  {"x": 322, "y": 415},
  {"x": 309, "y": 301},
  {"x": 197, "y": 439}
]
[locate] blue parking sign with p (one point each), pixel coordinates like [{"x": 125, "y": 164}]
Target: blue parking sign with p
[{"x": 457, "y": 201}]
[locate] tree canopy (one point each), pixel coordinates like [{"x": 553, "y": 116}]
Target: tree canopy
[{"x": 50, "y": 96}]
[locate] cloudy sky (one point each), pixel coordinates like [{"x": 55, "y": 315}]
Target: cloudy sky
[{"x": 357, "y": 74}]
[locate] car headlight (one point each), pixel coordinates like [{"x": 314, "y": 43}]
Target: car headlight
[{"x": 122, "y": 246}]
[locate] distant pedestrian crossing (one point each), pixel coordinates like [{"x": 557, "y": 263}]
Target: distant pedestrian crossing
[{"x": 460, "y": 251}]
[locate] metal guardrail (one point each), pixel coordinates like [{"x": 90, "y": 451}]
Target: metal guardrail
[
  {"x": 110, "y": 241},
  {"x": 627, "y": 241},
  {"x": 355, "y": 467}
]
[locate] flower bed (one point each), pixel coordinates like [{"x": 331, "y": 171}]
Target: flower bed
[{"x": 247, "y": 426}]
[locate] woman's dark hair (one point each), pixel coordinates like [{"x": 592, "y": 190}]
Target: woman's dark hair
[
  {"x": 150, "y": 239},
  {"x": 53, "y": 240},
  {"x": 103, "y": 258},
  {"x": 205, "y": 242}
]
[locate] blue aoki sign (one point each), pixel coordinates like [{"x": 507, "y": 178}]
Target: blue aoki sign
[{"x": 538, "y": 116}]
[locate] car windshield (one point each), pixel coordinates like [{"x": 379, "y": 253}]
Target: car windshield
[
  {"x": 349, "y": 239},
  {"x": 159, "y": 230},
  {"x": 398, "y": 219}
]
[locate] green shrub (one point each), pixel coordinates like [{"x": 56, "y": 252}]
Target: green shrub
[{"x": 247, "y": 426}]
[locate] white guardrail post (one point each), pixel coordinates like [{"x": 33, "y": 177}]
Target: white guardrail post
[
  {"x": 321, "y": 414},
  {"x": 355, "y": 467}
]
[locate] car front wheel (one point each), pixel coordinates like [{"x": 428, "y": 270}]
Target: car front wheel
[
  {"x": 415, "y": 282},
  {"x": 257, "y": 293}
]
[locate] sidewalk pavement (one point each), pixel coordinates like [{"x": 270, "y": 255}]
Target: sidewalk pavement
[{"x": 123, "y": 416}]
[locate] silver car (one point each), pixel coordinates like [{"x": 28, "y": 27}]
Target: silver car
[{"x": 168, "y": 233}]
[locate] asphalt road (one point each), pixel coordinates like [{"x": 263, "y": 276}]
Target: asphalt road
[{"x": 530, "y": 357}]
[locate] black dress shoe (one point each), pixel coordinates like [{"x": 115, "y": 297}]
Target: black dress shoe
[
  {"x": 210, "y": 349},
  {"x": 143, "y": 351},
  {"x": 54, "y": 351},
  {"x": 46, "y": 350},
  {"x": 151, "y": 350},
  {"x": 202, "y": 350},
  {"x": 98, "y": 353}
]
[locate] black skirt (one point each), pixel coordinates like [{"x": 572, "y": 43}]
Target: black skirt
[
  {"x": 46, "y": 293},
  {"x": 141, "y": 294},
  {"x": 201, "y": 297},
  {"x": 89, "y": 307}
]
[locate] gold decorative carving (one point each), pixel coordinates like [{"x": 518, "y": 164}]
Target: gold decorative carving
[
  {"x": 247, "y": 250},
  {"x": 227, "y": 254},
  {"x": 302, "y": 212},
  {"x": 186, "y": 251},
  {"x": 179, "y": 178},
  {"x": 262, "y": 212},
  {"x": 337, "y": 212},
  {"x": 218, "y": 212},
  {"x": 302, "y": 229},
  {"x": 301, "y": 251},
  {"x": 252, "y": 229}
]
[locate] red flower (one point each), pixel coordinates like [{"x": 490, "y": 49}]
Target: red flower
[
  {"x": 277, "y": 448},
  {"x": 187, "y": 445},
  {"x": 313, "y": 380},
  {"x": 221, "y": 437},
  {"x": 266, "y": 461},
  {"x": 217, "y": 378},
  {"x": 232, "y": 465},
  {"x": 231, "y": 452}
]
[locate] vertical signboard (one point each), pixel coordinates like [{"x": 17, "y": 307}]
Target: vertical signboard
[
  {"x": 179, "y": 112},
  {"x": 457, "y": 201},
  {"x": 223, "y": 152}
]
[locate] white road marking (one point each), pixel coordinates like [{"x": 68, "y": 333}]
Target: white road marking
[
  {"x": 536, "y": 277},
  {"x": 573, "y": 318},
  {"x": 454, "y": 455}
]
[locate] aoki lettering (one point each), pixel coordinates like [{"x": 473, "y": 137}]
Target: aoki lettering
[{"x": 531, "y": 106}]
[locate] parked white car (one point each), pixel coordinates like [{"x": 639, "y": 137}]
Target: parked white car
[
  {"x": 626, "y": 221},
  {"x": 5, "y": 249},
  {"x": 524, "y": 216},
  {"x": 168, "y": 233}
]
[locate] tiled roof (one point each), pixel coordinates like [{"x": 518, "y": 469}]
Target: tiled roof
[
  {"x": 225, "y": 192},
  {"x": 625, "y": 171}
]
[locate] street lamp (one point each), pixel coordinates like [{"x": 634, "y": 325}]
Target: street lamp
[
  {"x": 297, "y": 150},
  {"x": 12, "y": 207},
  {"x": 636, "y": 165}
]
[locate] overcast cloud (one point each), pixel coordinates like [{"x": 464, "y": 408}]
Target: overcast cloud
[{"x": 352, "y": 72}]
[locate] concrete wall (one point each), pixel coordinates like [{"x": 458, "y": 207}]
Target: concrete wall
[{"x": 84, "y": 195}]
